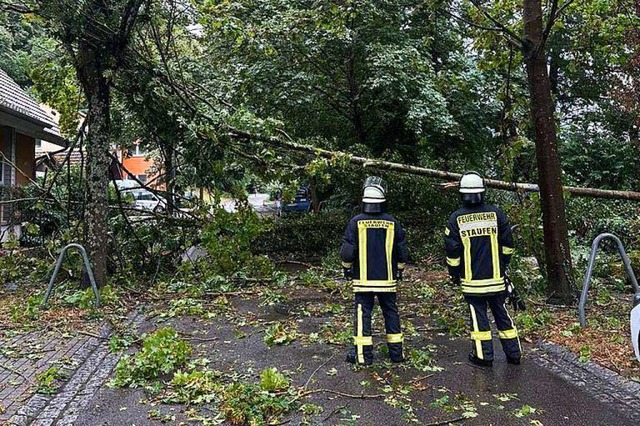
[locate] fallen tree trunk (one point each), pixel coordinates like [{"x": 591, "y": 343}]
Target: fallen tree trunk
[{"x": 422, "y": 171}]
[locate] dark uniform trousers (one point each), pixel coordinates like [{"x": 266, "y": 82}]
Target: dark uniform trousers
[
  {"x": 363, "y": 341},
  {"x": 481, "y": 328}
]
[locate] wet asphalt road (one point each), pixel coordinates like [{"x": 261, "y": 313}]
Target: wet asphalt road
[{"x": 555, "y": 400}]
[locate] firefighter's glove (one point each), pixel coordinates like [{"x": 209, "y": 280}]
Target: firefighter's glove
[
  {"x": 455, "y": 279},
  {"x": 399, "y": 274},
  {"x": 347, "y": 273},
  {"x": 509, "y": 286}
]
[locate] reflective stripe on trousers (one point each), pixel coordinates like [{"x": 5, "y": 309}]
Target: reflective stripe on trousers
[
  {"x": 481, "y": 328},
  {"x": 362, "y": 340}
]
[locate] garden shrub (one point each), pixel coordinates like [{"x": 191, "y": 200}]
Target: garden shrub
[{"x": 303, "y": 234}]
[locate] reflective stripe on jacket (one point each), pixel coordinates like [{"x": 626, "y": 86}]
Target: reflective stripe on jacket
[
  {"x": 479, "y": 246},
  {"x": 374, "y": 245}
]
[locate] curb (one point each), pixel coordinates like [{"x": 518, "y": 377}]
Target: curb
[{"x": 603, "y": 384}]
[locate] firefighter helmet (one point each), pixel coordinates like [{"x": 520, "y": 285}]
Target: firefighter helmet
[
  {"x": 373, "y": 195},
  {"x": 472, "y": 188}
]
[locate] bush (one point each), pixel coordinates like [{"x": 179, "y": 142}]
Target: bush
[
  {"x": 228, "y": 239},
  {"x": 304, "y": 234}
]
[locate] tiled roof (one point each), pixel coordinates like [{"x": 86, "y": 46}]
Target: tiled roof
[{"x": 13, "y": 98}]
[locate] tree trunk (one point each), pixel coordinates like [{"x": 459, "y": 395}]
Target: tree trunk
[
  {"x": 97, "y": 90},
  {"x": 557, "y": 252}
]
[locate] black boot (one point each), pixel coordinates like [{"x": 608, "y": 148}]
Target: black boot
[
  {"x": 514, "y": 361},
  {"x": 480, "y": 362},
  {"x": 352, "y": 358},
  {"x": 395, "y": 352}
]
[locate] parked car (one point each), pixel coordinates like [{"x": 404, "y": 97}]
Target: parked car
[
  {"x": 147, "y": 200},
  {"x": 301, "y": 201}
]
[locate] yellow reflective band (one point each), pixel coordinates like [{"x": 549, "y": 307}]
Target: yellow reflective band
[
  {"x": 446, "y": 231},
  {"x": 389, "y": 250},
  {"x": 512, "y": 325},
  {"x": 365, "y": 289},
  {"x": 508, "y": 250},
  {"x": 362, "y": 251},
  {"x": 395, "y": 338},
  {"x": 359, "y": 335},
  {"x": 508, "y": 334},
  {"x": 451, "y": 261},
  {"x": 480, "y": 335},
  {"x": 401, "y": 265},
  {"x": 347, "y": 264},
  {"x": 483, "y": 290},
  {"x": 364, "y": 341},
  {"x": 495, "y": 256},
  {"x": 483, "y": 282},
  {"x": 474, "y": 322},
  {"x": 466, "y": 242}
]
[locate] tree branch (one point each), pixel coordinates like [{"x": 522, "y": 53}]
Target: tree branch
[
  {"x": 553, "y": 17},
  {"x": 511, "y": 37},
  {"x": 472, "y": 24},
  {"x": 421, "y": 171}
]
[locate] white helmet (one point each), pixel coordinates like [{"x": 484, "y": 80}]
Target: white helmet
[
  {"x": 472, "y": 188},
  {"x": 373, "y": 195}
]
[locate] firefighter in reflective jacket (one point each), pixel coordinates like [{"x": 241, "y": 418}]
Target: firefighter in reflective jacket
[
  {"x": 373, "y": 255},
  {"x": 479, "y": 247}
]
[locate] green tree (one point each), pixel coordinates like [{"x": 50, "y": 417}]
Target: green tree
[
  {"x": 95, "y": 34},
  {"x": 573, "y": 55},
  {"x": 381, "y": 78}
]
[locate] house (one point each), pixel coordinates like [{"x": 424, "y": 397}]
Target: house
[
  {"x": 136, "y": 162},
  {"x": 50, "y": 156},
  {"x": 22, "y": 123}
]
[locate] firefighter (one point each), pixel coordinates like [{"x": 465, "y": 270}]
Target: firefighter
[
  {"x": 479, "y": 246},
  {"x": 373, "y": 255}
]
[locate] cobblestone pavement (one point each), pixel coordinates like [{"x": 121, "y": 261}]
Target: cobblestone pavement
[
  {"x": 83, "y": 359},
  {"x": 23, "y": 357}
]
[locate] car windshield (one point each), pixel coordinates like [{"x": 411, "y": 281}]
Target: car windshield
[{"x": 144, "y": 196}]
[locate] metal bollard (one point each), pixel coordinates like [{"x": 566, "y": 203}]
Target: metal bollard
[
  {"x": 57, "y": 269},
  {"x": 592, "y": 260}
]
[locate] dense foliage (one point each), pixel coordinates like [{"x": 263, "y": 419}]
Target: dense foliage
[{"x": 426, "y": 85}]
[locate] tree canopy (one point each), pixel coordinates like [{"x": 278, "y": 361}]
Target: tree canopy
[{"x": 436, "y": 84}]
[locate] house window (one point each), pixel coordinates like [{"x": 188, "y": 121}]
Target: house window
[
  {"x": 38, "y": 144},
  {"x": 138, "y": 151},
  {"x": 142, "y": 178}
]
